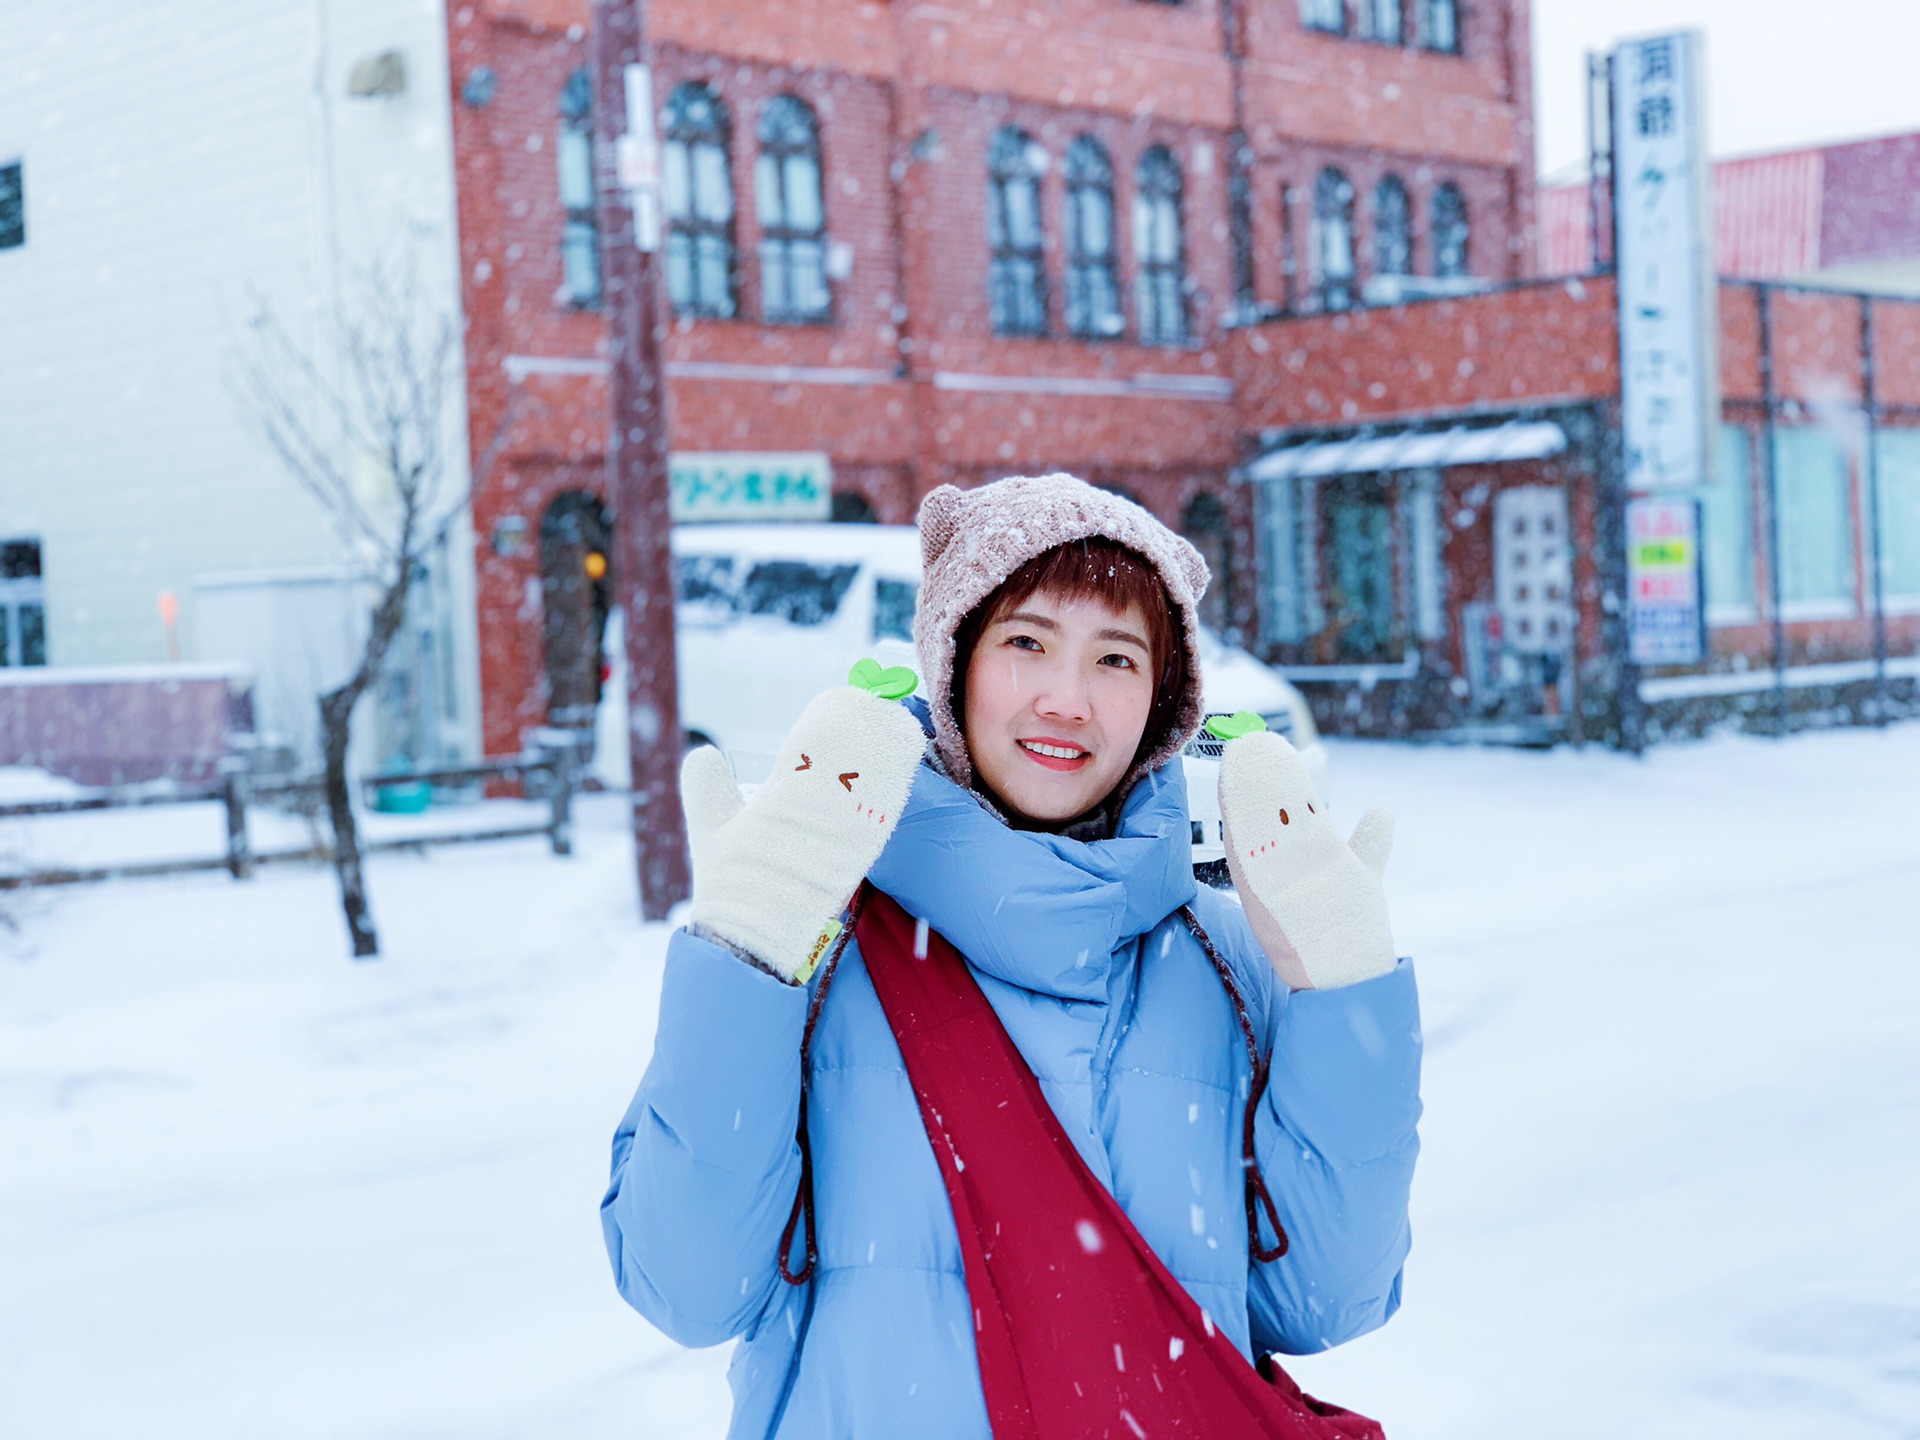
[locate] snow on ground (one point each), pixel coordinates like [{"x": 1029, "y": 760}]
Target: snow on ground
[{"x": 1670, "y": 1184}]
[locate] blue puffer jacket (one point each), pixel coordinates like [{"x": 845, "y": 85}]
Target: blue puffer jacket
[{"x": 1134, "y": 1041}]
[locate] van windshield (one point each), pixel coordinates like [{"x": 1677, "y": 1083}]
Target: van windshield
[{"x": 796, "y": 591}]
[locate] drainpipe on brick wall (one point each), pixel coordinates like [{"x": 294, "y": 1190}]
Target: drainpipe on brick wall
[
  {"x": 1239, "y": 164},
  {"x": 1768, "y": 406},
  {"x": 1871, "y": 461}
]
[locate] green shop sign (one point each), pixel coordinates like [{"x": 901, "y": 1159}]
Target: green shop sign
[{"x": 751, "y": 486}]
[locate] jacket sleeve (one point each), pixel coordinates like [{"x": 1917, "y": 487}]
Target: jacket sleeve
[
  {"x": 705, "y": 1165},
  {"x": 1336, "y": 1139}
]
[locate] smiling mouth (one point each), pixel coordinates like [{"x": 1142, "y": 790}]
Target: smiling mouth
[{"x": 1055, "y": 757}]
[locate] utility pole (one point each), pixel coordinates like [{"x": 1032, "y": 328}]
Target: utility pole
[{"x": 627, "y": 174}]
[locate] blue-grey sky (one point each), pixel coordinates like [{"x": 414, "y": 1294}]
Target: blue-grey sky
[{"x": 1780, "y": 73}]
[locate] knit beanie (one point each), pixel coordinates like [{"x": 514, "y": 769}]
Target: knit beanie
[{"x": 972, "y": 540}]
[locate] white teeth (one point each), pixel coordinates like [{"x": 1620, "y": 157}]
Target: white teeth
[{"x": 1057, "y": 752}]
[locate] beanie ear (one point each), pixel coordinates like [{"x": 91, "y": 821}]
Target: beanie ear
[
  {"x": 1198, "y": 575},
  {"x": 939, "y": 522}
]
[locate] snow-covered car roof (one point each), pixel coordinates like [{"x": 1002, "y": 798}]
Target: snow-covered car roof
[{"x": 894, "y": 549}]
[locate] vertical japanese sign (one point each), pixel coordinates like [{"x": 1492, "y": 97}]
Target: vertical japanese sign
[
  {"x": 1666, "y": 612},
  {"x": 1669, "y": 330}
]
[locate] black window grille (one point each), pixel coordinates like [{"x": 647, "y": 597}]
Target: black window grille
[
  {"x": 1017, "y": 278},
  {"x": 1160, "y": 249},
  {"x": 1440, "y": 25},
  {"x": 793, "y": 221},
  {"x": 1392, "y": 228},
  {"x": 1093, "y": 280},
  {"x": 698, "y": 183},
  {"x": 1333, "y": 241},
  {"x": 1450, "y": 231},
  {"x": 580, "y": 237}
]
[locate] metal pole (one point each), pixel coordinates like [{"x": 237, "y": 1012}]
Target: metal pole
[
  {"x": 1768, "y": 405},
  {"x": 637, "y": 474},
  {"x": 1599, "y": 157},
  {"x": 1875, "y": 566}
]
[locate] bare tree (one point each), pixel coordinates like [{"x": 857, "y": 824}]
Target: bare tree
[{"x": 357, "y": 418}]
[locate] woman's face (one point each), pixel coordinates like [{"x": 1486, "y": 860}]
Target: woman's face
[{"x": 1057, "y": 697}]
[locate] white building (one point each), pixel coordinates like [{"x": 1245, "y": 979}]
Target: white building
[{"x": 162, "y": 160}]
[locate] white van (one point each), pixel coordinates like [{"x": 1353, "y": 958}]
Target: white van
[{"x": 768, "y": 616}]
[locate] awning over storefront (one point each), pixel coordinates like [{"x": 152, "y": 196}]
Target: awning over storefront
[{"x": 1412, "y": 450}]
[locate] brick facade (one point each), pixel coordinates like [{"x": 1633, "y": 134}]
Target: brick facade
[{"x": 909, "y": 386}]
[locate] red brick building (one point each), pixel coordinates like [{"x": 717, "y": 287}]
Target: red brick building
[{"x": 1050, "y": 237}]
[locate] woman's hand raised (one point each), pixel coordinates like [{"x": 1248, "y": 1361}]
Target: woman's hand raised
[
  {"x": 1314, "y": 900},
  {"x": 771, "y": 875}
]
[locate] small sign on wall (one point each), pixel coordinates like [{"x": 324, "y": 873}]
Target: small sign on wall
[
  {"x": 1666, "y": 615},
  {"x": 750, "y": 486}
]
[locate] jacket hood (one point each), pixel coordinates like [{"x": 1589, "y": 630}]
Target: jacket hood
[{"x": 972, "y": 540}]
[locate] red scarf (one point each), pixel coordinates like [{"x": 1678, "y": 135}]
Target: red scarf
[{"x": 1081, "y": 1330}]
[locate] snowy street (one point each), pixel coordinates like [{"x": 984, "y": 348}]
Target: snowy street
[{"x": 1669, "y": 1185}]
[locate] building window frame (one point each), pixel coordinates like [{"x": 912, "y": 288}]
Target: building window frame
[
  {"x": 23, "y": 604},
  {"x": 1440, "y": 26},
  {"x": 790, "y": 201},
  {"x": 1385, "y": 21},
  {"x": 1016, "y": 234},
  {"x": 1392, "y": 227},
  {"x": 1160, "y": 249},
  {"x": 580, "y": 269},
  {"x": 1334, "y": 279},
  {"x": 13, "y": 204},
  {"x": 1094, "y": 307},
  {"x": 1452, "y": 233},
  {"x": 1329, "y": 17},
  {"x": 702, "y": 261}
]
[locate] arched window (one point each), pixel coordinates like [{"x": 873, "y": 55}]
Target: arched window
[
  {"x": 1017, "y": 277},
  {"x": 1449, "y": 231},
  {"x": 1385, "y": 21},
  {"x": 1206, "y": 524},
  {"x": 580, "y": 236},
  {"x": 1333, "y": 241},
  {"x": 1160, "y": 250},
  {"x": 1440, "y": 25},
  {"x": 698, "y": 185},
  {"x": 793, "y": 222},
  {"x": 1392, "y": 229},
  {"x": 1093, "y": 284}
]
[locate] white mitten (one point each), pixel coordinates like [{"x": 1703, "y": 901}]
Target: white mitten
[
  {"x": 1314, "y": 900},
  {"x": 772, "y": 874}
]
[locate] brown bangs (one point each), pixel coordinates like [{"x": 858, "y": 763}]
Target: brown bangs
[{"x": 1105, "y": 572}]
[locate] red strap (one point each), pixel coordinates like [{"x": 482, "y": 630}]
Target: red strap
[{"x": 1080, "y": 1328}]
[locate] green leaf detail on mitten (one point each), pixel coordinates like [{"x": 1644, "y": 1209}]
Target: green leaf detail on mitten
[
  {"x": 1232, "y": 727},
  {"x": 894, "y": 683}
]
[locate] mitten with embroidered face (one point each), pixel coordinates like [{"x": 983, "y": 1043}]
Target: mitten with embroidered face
[
  {"x": 771, "y": 875},
  {"x": 1314, "y": 901}
]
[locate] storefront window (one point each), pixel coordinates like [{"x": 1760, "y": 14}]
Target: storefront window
[
  {"x": 1726, "y": 524},
  {"x": 1815, "y": 524},
  {"x": 1899, "y": 455}
]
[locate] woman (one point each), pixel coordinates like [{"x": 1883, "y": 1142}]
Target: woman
[{"x": 1236, "y": 1083}]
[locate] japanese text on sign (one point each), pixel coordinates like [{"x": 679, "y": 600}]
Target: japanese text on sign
[
  {"x": 1668, "y": 331},
  {"x": 1665, "y": 617},
  {"x": 750, "y": 486}
]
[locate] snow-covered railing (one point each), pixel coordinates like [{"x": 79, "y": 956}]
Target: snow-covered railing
[{"x": 555, "y": 770}]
